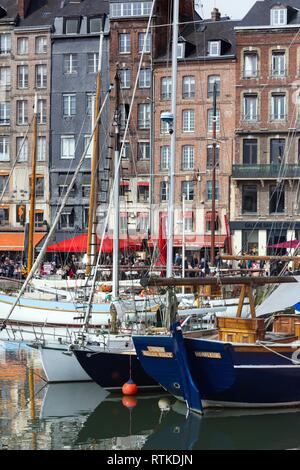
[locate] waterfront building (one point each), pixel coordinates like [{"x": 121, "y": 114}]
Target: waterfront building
[
  {"x": 25, "y": 64},
  {"x": 265, "y": 176},
  {"x": 206, "y": 54},
  {"x": 75, "y": 55}
]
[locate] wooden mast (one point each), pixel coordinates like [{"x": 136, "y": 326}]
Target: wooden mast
[
  {"x": 94, "y": 168},
  {"x": 32, "y": 190}
]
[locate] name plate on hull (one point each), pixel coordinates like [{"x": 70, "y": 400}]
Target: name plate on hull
[
  {"x": 208, "y": 355},
  {"x": 157, "y": 352}
]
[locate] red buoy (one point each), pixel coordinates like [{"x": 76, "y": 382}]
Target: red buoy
[
  {"x": 129, "y": 388},
  {"x": 129, "y": 402}
]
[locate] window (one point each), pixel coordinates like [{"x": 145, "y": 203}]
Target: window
[
  {"x": 123, "y": 189},
  {"x": 278, "y": 107},
  {"x": 39, "y": 186},
  {"x": 144, "y": 116},
  {"x": 142, "y": 39},
  {"x": 22, "y": 73},
  {"x": 277, "y": 147},
  {"x": 165, "y": 157},
  {"x": 4, "y": 215},
  {"x": 142, "y": 222},
  {"x": 187, "y": 188},
  {"x": 22, "y": 112},
  {"x": 212, "y": 79},
  {"x": 126, "y": 150},
  {"x": 67, "y": 219},
  {"x": 209, "y": 162},
  {"x": 188, "y": 223},
  {"x": 145, "y": 78},
  {"x": 63, "y": 188},
  {"x": 125, "y": 78},
  {"x": 180, "y": 50},
  {"x": 250, "y": 152},
  {"x": 250, "y": 65},
  {"x": 41, "y": 76},
  {"x": 188, "y": 87},
  {"x": 72, "y": 26},
  {"x": 249, "y": 199},
  {"x": 5, "y": 77},
  {"x": 144, "y": 151},
  {"x": 188, "y": 120},
  {"x": 95, "y": 25},
  {"x": 22, "y": 46},
  {"x": 41, "y": 149},
  {"x": 209, "y": 190},
  {"x": 4, "y": 179},
  {"x": 4, "y": 113},
  {"x": 164, "y": 191},
  {"x": 85, "y": 217},
  {"x": 39, "y": 218},
  {"x": 5, "y": 44},
  {"x": 119, "y": 10},
  {"x": 90, "y": 103},
  {"x": 22, "y": 149},
  {"x": 93, "y": 61},
  {"x": 210, "y": 120},
  {"x": 276, "y": 198},
  {"x": 165, "y": 88},
  {"x": 86, "y": 190},
  {"x": 164, "y": 125},
  {"x": 41, "y": 45},
  {"x": 70, "y": 63},
  {"x": 69, "y": 105},
  {"x": 68, "y": 146},
  {"x": 214, "y": 48},
  {"x": 4, "y": 148},
  {"x": 250, "y": 108},
  {"x": 142, "y": 193},
  {"x": 188, "y": 157},
  {"x": 278, "y": 16},
  {"x": 278, "y": 64},
  {"x": 88, "y": 146},
  {"x": 123, "y": 222},
  {"x": 124, "y": 113},
  {"x": 124, "y": 43},
  {"x": 42, "y": 111}
]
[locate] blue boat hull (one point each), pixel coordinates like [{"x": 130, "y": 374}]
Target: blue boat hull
[
  {"x": 112, "y": 370},
  {"x": 223, "y": 374}
]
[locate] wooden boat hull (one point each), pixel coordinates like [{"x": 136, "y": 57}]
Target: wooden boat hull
[{"x": 224, "y": 374}]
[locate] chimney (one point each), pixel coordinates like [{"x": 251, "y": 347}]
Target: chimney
[
  {"x": 215, "y": 15},
  {"x": 23, "y": 7}
]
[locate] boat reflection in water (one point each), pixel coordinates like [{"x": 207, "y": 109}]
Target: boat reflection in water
[{"x": 159, "y": 423}]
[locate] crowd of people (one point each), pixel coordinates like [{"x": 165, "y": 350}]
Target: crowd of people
[{"x": 12, "y": 268}]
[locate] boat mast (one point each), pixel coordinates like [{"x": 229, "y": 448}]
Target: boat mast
[
  {"x": 91, "y": 238},
  {"x": 115, "y": 290},
  {"x": 173, "y": 141},
  {"x": 32, "y": 189},
  {"x": 213, "y": 202}
]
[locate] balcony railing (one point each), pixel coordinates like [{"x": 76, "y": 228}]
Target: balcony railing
[{"x": 248, "y": 172}]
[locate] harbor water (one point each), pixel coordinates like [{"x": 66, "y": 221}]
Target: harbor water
[{"x": 82, "y": 416}]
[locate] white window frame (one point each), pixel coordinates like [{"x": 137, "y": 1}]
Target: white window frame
[
  {"x": 278, "y": 16},
  {"x": 188, "y": 120},
  {"x": 282, "y": 107},
  {"x": 188, "y": 157},
  {"x": 22, "y": 76},
  {"x": 5, "y": 43},
  {"x": 250, "y": 65},
  {"x": 214, "y": 48},
  {"x": 69, "y": 104},
  {"x": 5, "y": 77},
  {"x": 144, "y": 150},
  {"x": 41, "y": 45},
  {"x": 22, "y": 149},
  {"x": 124, "y": 43},
  {"x": 165, "y": 155},
  {"x": 4, "y": 148},
  {"x": 188, "y": 86},
  {"x": 142, "y": 37},
  {"x": 41, "y": 148},
  {"x": 69, "y": 140},
  {"x": 144, "y": 116},
  {"x": 5, "y": 109},
  {"x": 41, "y": 76},
  {"x": 250, "y": 101},
  {"x": 210, "y": 115},
  {"x": 22, "y": 112},
  {"x": 22, "y": 46},
  {"x": 145, "y": 78},
  {"x": 70, "y": 64},
  {"x": 125, "y": 78}
]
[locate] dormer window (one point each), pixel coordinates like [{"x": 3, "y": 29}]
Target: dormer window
[
  {"x": 214, "y": 48},
  {"x": 180, "y": 50},
  {"x": 95, "y": 25},
  {"x": 72, "y": 26},
  {"x": 278, "y": 16}
]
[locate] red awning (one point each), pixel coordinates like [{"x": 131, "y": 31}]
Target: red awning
[
  {"x": 290, "y": 244},
  {"x": 124, "y": 183},
  {"x": 79, "y": 245},
  {"x": 143, "y": 183}
]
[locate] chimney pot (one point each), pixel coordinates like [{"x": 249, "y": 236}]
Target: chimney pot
[{"x": 215, "y": 14}]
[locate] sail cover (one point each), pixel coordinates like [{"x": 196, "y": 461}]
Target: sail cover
[{"x": 285, "y": 296}]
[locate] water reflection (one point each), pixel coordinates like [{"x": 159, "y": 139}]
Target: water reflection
[{"x": 84, "y": 416}]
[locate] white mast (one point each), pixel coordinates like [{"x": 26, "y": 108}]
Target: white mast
[{"x": 173, "y": 141}]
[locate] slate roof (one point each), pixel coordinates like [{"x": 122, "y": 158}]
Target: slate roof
[{"x": 259, "y": 14}]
